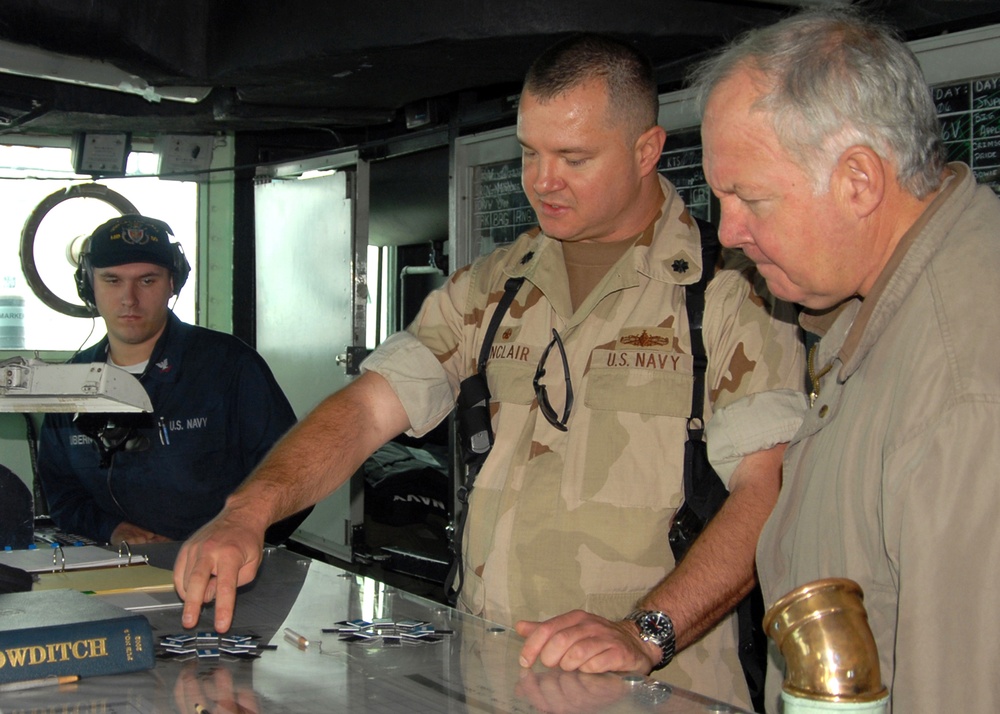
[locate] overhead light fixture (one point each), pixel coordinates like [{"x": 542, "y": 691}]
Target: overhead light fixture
[
  {"x": 37, "y": 386},
  {"x": 29, "y": 61}
]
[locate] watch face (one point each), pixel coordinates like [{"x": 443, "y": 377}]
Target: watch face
[{"x": 656, "y": 625}]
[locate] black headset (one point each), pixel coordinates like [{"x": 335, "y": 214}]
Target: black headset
[{"x": 179, "y": 270}]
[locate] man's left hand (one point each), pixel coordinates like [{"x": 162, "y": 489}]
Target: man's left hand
[
  {"x": 585, "y": 642},
  {"x": 133, "y": 534}
]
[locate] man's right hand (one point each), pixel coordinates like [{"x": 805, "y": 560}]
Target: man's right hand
[{"x": 224, "y": 554}]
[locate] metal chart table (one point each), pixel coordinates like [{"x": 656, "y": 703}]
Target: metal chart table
[{"x": 474, "y": 669}]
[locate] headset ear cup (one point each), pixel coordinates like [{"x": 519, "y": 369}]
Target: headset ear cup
[
  {"x": 182, "y": 268},
  {"x": 84, "y": 283}
]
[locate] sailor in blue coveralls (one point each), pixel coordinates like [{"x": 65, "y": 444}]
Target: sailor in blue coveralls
[{"x": 217, "y": 408}]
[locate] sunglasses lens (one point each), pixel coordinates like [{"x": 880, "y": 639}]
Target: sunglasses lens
[{"x": 541, "y": 394}]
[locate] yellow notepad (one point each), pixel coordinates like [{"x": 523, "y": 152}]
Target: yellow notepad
[{"x": 108, "y": 580}]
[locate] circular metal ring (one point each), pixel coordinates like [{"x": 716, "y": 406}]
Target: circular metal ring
[{"x": 27, "y": 248}]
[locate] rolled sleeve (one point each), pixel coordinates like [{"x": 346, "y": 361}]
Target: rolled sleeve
[
  {"x": 753, "y": 423},
  {"x": 418, "y": 379}
]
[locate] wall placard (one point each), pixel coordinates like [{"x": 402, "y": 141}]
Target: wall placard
[
  {"x": 501, "y": 211},
  {"x": 970, "y": 124},
  {"x": 680, "y": 163}
]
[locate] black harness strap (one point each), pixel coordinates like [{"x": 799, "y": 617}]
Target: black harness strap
[
  {"x": 704, "y": 491},
  {"x": 476, "y": 432},
  {"x": 510, "y": 289}
]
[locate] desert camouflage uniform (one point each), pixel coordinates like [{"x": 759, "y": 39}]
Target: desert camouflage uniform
[{"x": 579, "y": 519}]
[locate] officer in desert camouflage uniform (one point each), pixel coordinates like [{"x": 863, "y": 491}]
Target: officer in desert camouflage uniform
[{"x": 570, "y": 514}]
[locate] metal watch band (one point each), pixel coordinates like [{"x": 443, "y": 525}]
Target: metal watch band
[{"x": 656, "y": 627}]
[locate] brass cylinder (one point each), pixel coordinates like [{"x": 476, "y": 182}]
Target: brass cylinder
[{"x": 822, "y": 631}]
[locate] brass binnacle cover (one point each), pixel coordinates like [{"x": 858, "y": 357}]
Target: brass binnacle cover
[{"x": 821, "y": 629}]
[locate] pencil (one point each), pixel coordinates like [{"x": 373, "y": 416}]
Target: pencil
[
  {"x": 199, "y": 709},
  {"x": 34, "y": 683}
]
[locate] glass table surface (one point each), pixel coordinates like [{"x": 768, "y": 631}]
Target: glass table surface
[{"x": 467, "y": 665}]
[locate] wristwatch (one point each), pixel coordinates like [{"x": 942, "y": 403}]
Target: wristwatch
[{"x": 656, "y": 627}]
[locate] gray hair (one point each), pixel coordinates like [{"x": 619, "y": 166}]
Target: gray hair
[
  {"x": 839, "y": 80},
  {"x": 628, "y": 75}
]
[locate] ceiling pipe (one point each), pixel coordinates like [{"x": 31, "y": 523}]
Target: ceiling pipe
[
  {"x": 41, "y": 64},
  {"x": 809, "y": 3}
]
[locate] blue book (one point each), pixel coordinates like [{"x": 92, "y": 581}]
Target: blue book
[{"x": 65, "y": 632}]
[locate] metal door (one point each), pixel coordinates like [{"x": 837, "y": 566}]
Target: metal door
[{"x": 311, "y": 242}]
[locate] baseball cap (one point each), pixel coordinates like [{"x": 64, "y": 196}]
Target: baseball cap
[{"x": 131, "y": 239}]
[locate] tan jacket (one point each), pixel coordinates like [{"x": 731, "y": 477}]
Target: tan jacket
[{"x": 892, "y": 479}]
